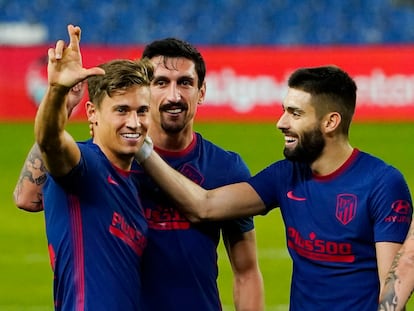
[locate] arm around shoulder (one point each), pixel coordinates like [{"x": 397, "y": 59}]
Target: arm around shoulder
[{"x": 198, "y": 204}]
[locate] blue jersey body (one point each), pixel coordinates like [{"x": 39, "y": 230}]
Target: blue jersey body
[
  {"x": 332, "y": 224},
  {"x": 96, "y": 232},
  {"x": 180, "y": 261}
]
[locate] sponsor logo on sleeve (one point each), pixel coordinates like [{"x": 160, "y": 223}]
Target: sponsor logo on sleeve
[{"x": 402, "y": 212}]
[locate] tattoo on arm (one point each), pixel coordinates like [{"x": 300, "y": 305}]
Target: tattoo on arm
[
  {"x": 389, "y": 300},
  {"x": 31, "y": 179}
]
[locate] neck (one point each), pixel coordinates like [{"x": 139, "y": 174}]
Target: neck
[
  {"x": 123, "y": 162},
  {"x": 331, "y": 159},
  {"x": 172, "y": 141}
]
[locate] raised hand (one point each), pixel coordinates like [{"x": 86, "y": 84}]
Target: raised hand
[{"x": 65, "y": 63}]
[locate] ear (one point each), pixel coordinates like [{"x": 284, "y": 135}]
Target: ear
[
  {"x": 331, "y": 122},
  {"x": 91, "y": 111},
  {"x": 202, "y": 93}
]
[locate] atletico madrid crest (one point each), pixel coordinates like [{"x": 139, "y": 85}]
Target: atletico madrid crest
[{"x": 346, "y": 205}]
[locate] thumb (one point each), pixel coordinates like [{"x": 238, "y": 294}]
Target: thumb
[{"x": 94, "y": 71}]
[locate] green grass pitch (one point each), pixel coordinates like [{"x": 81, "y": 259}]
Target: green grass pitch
[{"x": 25, "y": 273}]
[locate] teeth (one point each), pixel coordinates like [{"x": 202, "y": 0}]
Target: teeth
[
  {"x": 131, "y": 135},
  {"x": 177, "y": 110},
  {"x": 289, "y": 139}
]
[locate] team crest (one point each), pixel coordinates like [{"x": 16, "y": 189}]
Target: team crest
[{"x": 346, "y": 205}]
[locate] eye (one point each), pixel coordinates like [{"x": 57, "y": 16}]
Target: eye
[
  {"x": 294, "y": 111},
  {"x": 159, "y": 82},
  {"x": 143, "y": 110},
  {"x": 186, "y": 82},
  {"x": 121, "y": 109}
]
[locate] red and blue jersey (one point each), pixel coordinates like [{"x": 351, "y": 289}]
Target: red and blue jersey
[
  {"x": 332, "y": 224},
  {"x": 96, "y": 232},
  {"x": 180, "y": 261}
]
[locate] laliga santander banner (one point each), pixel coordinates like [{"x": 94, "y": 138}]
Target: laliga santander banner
[{"x": 243, "y": 83}]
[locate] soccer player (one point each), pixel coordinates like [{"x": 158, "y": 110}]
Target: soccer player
[
  {"x": 346, "y": 212},
  {"x": 95, "y": 225},
  {"x": 180, "y": 259}
]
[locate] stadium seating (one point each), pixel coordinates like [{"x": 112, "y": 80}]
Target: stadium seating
[{"x": 228, "y": 22}]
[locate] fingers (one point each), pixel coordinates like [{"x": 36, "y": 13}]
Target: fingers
[
  {"x": 74, "y": 36},
  {"x": 60, "y": 46},
  {"x": 78, "y": 87},
  {"x": 57, "y": 52},
  {"x": 51, "y": 54},
  {"x": 65, "y": 62}
]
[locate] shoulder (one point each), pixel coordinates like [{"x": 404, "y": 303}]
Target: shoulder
[
  {"x": 379, "y": 172},
  {"x": 374, "y": 164},
  {"x": 89, "y": 149}
]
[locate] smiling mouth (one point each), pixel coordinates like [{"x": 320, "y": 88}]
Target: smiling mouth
[
  {"x": 131, "y": 135},
  {"x": 175, "y": 108},
  {"x": 289, "y": 140}
]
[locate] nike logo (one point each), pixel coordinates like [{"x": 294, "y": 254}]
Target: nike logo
[
  {"x": 290, "y": 195},
  {"x": 111, "y": 180}
]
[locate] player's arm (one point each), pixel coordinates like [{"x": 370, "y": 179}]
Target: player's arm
[
  {"x": 385, "y": 252},
  {"x": 27, "y": 194},
  {"x": 231, "y": 201},
  {"x": 399, "y": 283},
  {"x": 248, "y": 289},
  {"x": 59, "y": 151}
]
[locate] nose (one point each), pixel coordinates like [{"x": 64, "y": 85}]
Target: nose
[
  {"x": 173, "y": 93},
  {"x": 133, "y": 120},
  {"x": 282, "y": 123}
]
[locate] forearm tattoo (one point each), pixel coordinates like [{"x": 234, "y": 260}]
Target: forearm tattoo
[
  {"x": 32, "y": 177},
  {"x": 389, "y": 300}
]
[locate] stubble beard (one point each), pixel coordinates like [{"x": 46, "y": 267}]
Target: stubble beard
[
  {"x": 309, "y": 148},
  {"x": 172, "y": 127}
]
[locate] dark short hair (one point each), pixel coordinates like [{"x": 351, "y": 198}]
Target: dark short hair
[
  {"x": 172, "y": 47},
  {"x": 120, "y": 74},
  {"x": 331, "y": 86}
]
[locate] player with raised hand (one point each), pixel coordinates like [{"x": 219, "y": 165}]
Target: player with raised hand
[{"x": 95, "y": 225}]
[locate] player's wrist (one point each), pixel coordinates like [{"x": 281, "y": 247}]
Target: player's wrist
[{"x": 145, "y": 151}]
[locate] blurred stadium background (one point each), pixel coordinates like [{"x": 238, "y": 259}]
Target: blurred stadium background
[
  {"x": 235, "y": 23},
  {"x": 227, "y": 22}
]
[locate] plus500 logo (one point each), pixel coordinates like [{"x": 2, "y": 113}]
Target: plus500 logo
[{"x": 318, "y": 246}]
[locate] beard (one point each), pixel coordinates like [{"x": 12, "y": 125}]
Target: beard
[
  {"x": 172, "y": 127},
  {"x": 173, "y": 124},
  {"x": 309, "y": 147}
]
